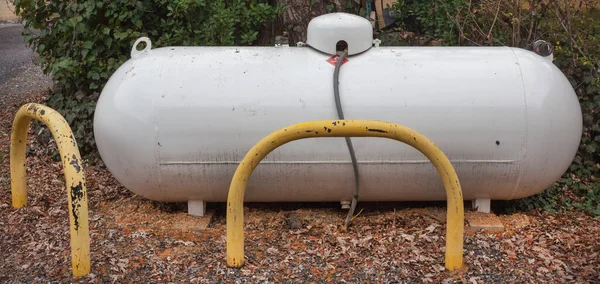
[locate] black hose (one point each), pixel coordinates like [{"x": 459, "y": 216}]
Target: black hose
[{"x": 338, "y": 105}]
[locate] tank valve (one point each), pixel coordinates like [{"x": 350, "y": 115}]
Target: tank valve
[
  {"x": 282, "y": 40},
  {"x": 543, "y": 48},
  {"x": 345, "y": 204}
]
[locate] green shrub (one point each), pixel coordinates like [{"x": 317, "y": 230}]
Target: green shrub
[
  {"x": 81, "y": 43},
  {"x": 430, "y": 18}
]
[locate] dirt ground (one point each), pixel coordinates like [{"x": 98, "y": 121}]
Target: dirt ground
[{"x": 136, "y": 240}]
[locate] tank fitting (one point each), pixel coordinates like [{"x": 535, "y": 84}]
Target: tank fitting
[
  {"x": 345, "y": 204},
  {"x": 543, "y": 48}
]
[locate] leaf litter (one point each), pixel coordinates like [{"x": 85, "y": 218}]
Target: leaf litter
[{"x": 134, "y": 239}]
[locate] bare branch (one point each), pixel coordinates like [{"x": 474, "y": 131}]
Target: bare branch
[
  {"x": 8, "y": 6},
  {"x": 562, "y": 20},
  {"x": 489, "y": 35}
]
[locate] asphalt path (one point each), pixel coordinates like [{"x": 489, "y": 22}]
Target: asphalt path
[
  {"x": 19, "y": 75},
  {"x": 14, "y": 54}
]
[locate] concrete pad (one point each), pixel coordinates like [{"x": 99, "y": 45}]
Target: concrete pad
[
  {"x": 137, "y": 215},
  {"x": 483, "y": 221},
  {"x": 197, "y": 223}
]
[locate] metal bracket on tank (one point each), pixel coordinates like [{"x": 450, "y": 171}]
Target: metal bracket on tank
[{"x": 135, "y": 52}]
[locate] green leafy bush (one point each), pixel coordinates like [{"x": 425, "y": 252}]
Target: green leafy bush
[
  {"x": 81, "y": 43},
  {"x": 573, "y": 27},
  {"x": 433, "y": 19}
]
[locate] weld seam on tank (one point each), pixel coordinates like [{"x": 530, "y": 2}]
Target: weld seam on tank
[
  {"x": 337, "y": 162},
  {"x": 526, "y": 126},
  {"x": 156, "y": 146}
]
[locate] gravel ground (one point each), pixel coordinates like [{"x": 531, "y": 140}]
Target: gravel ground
[{"x": 137, "y": 240}]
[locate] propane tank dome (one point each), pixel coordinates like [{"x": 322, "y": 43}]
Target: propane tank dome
[{"x": 325, "y": 31}]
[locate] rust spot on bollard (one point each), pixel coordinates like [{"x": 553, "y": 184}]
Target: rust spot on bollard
[
  {"x": 74, "y": 177},
  {"x": 347, "y": 128}
]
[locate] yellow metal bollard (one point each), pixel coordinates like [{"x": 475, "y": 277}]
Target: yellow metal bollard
[
  {"x": 74, "y": 176},
  {"x": 345, "y": 128}
]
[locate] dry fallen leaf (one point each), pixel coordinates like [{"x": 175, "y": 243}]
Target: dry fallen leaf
[{"x": 135, "y": 240}]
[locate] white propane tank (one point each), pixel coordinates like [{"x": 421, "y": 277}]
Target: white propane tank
[{"x": 173, "y": 123}]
